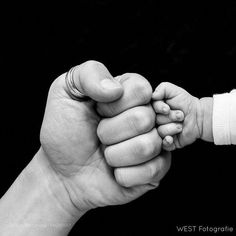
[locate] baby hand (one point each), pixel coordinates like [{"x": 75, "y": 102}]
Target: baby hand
[{"x": 177, "y": 116}]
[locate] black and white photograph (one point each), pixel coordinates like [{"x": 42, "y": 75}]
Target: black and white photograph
[{"x": 118, "y": 118}]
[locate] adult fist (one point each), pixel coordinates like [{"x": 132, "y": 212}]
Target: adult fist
[
  {"x": 132, "y": 143},
  {"x": 70, "y": 142}
]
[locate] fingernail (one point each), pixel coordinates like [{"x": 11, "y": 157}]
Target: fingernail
[
  {"x": 179, "y": 115},
  {"x": 167, "y": 141},
  {"x": 179, "y": 127},
  {"x": 165, "y": 109},
  {"x": 109, "y": 84}
]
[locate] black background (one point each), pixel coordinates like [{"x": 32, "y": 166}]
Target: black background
[{"x": 191, "y": 45}]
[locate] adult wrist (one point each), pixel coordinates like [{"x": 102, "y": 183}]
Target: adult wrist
[
  {"x": 37, "y": 203},
  {"x": 54, "y": 189}
]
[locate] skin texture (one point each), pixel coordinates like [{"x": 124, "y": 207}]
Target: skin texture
[
  {"x": 181, "y": 125},
  {"x": 101, "y": 151},
  {"x": 181, "y": 117},
  {"x": 75, "y": 148}
]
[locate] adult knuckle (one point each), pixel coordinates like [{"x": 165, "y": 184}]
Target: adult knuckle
[
  {"x": 92, "y": 64},
  {"x": 120, "y": 177},
  {"x": 146, "y": 147},
  {"x": 101, "y": 133},
  {"x": 167, "y": 163},
  {"x": 141, "y": 119},
  {"x": 152, "y": 171},
  {"x": 142, "y": 89},
  {"x": 108, "y": 157},
  {"x": 159, "y": 119},
  {"x": 135, "y": 120},
  {"x": 106, "y": 109}
]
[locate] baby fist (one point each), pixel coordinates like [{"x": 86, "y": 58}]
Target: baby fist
[{"x": 178, "y": 115}]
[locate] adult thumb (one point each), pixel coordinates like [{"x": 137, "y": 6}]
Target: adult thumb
[{"x": 94, "y": 80}]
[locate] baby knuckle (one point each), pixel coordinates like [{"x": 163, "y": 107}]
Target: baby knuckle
[
  {"x": 168, "y": 128},
  {"x": 164, "y": 84},
  {"x": 161, "y": 164},
  {"x": 161, "y": 168},
  {"x": 159, "y": 119},
  {"x": 160, "y": 130},
  {"x": 158, "y": 138},
  {"x": 133, "y": 121},
  {"x": 147, "y": 123},
  {"x": 154, "y": 149},
  {"x": 143, "y": 92},
  {"x": 158, "y": 146}
]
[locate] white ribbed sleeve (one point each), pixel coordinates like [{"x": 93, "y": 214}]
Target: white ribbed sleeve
[{"x": 224, "y": 118}]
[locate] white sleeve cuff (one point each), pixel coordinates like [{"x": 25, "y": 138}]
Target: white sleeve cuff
[{"x": 224, "y": 118}]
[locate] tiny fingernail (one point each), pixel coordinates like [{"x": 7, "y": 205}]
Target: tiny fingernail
[
  {"x": 167, "y": 141},
  {"x": 179, "y": 127},
  {"x": 179, "y": 115},
  {"x": 165, "y": 109},
  {"x": 109, "y": 84}
]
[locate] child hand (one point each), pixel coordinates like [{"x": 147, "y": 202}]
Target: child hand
[{"x": 177, "y": 116}]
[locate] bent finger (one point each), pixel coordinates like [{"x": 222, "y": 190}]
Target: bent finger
[
  {"x": 128, "y": 124},
  {"x": 168, "y": 143},
  {"x": 161, "y": 107},
  {"x": 173, "y": 116},
  {"x": 134, "y": 151},
  {"x": 150, "y": 172},
  {"x": 169, "y": 129},
  {"x": 137, "y": 92},
  {"x": 166, "y": 90}
]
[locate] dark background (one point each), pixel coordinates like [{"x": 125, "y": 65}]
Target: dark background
[{"x": 191, "y": 45}]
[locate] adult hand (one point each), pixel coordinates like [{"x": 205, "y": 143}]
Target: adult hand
[{"x": 70, "y": 142}]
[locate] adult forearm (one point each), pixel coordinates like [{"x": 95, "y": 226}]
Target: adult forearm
[{"x": 37, "y": 203}]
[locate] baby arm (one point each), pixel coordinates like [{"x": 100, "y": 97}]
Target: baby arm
[{"x": 182, "y": 118}]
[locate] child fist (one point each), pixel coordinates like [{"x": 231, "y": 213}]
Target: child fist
[{"x": 178, "y": 116}]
